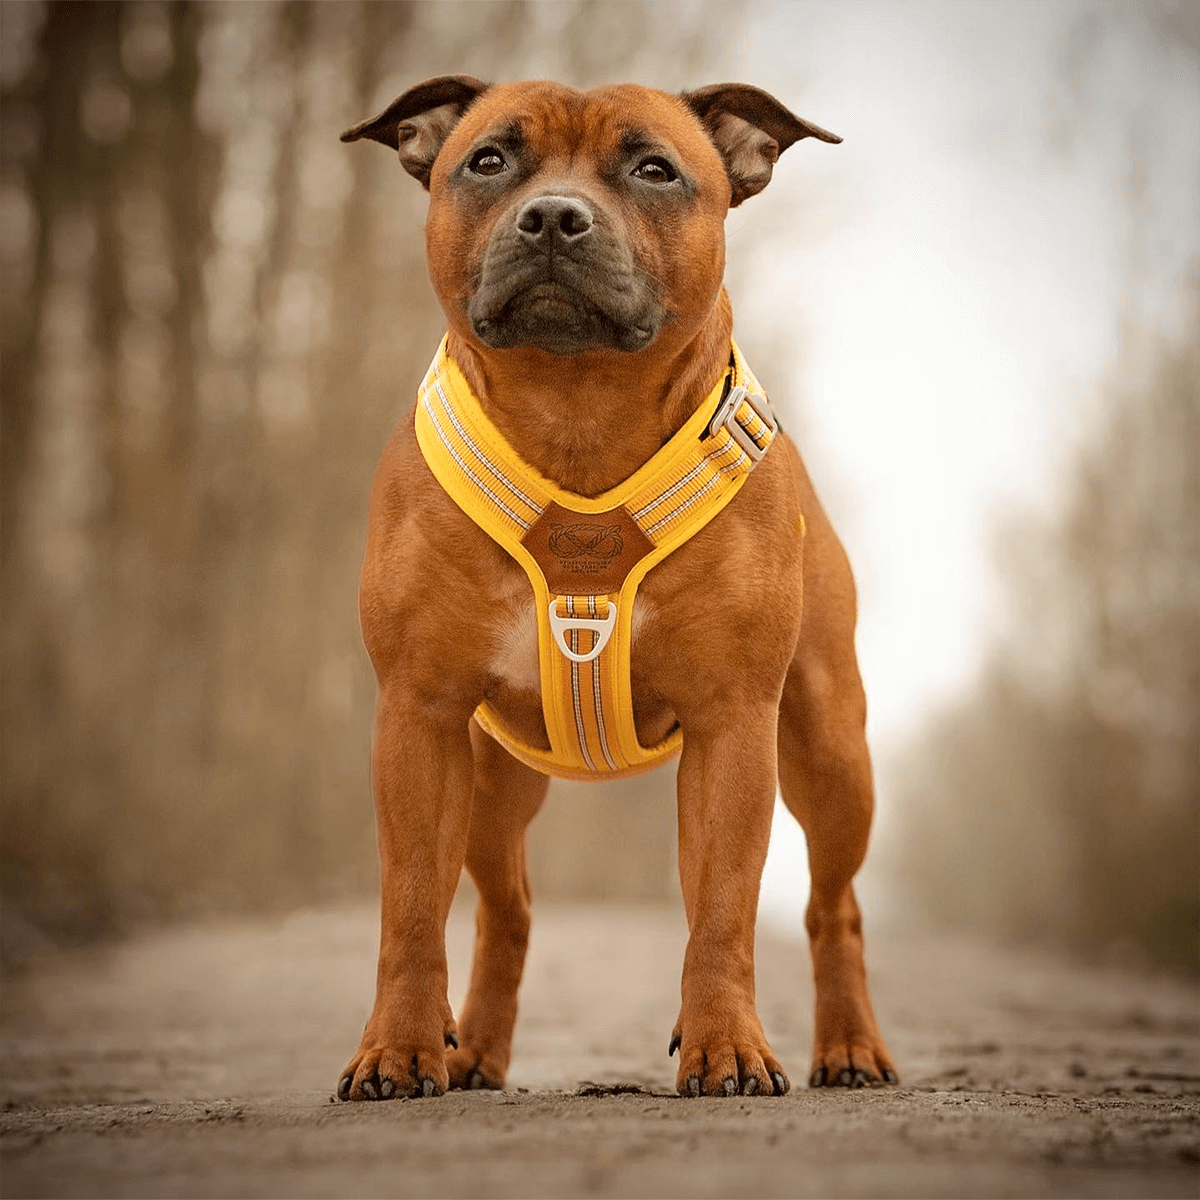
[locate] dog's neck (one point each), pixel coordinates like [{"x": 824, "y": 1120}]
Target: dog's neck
[{"x": 589, "y": 421}]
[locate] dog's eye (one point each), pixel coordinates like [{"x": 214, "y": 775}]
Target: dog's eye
[
  {"x": 488, "y": 161},
  {"x": 655, "y": 170}
]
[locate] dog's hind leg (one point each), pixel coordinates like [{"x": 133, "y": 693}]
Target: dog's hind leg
[
  {"x": 507, "y": 795},
  {"x": 825, "y": 778}
]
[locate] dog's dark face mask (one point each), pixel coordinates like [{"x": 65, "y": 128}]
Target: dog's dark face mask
[
  {"x": 558, "y": 215},
  {"x": 558, "y": 274}
]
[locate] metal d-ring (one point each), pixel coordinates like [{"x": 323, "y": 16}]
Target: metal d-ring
[{"x": 602, "y": 627}]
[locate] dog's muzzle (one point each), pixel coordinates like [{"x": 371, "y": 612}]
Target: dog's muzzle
[{"x": 557, "y": 277}]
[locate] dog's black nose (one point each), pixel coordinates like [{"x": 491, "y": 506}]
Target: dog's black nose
[{"x": 554, "y": 218}]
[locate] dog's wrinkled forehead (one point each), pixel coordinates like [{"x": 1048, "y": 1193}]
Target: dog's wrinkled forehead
[{"x": 552, "y": 122}]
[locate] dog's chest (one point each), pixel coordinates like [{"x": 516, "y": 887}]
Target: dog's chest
[{"x": 515, "y": 662}]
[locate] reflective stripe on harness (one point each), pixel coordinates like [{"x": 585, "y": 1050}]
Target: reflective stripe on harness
[{"x": 585, "y": 557}]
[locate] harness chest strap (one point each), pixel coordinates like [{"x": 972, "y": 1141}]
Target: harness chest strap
[{"x": 585, "y": 557}]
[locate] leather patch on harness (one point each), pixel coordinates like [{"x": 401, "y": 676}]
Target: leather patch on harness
[{"x": 586, "y": 554}]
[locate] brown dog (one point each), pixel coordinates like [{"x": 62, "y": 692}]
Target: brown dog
[{"x": 576, "y": 243}]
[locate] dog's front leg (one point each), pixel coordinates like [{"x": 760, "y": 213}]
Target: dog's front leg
[
  {"x": 421, "y": 775},
  {"x": 726, "y": 798}
]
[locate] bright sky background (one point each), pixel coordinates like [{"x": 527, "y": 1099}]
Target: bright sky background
[{"x": 1017, "y": 180}]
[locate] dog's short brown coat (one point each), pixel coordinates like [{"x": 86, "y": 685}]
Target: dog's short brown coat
[{"x": 576, "y": 242}]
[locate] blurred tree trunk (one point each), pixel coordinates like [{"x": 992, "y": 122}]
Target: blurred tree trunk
[{"x": 49, "y": 564}]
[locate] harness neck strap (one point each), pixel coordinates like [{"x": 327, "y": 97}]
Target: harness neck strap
[{"x": 586, "y": 556}]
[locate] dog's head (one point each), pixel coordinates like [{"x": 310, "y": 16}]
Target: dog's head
[{"x": 572, "y": 221}]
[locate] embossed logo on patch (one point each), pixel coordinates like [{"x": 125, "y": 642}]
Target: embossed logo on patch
[{"x": 585, "y": 548}]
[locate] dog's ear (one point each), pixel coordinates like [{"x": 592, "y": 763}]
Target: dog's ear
[
  {"x": 751, "y": 129},
  {"x": 416, "y": 123}
]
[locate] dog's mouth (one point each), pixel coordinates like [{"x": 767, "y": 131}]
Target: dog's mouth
[
  {"x": 562, "y": 303},
  {"x": 552, "y": 302},
  {"x": 553, "y": 316}
]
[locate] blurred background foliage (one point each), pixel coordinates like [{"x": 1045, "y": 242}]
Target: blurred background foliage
[
  {"x": 211, "y": 313},
  {"x": 1060, "y": 801}
]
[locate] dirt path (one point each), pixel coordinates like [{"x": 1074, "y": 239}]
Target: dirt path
[{"x": 200, "y": 1062}]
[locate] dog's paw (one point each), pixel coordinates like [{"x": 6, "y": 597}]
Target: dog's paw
[
  {"x": 471, "y": 1068},
  {"x": 392, "y": 1072},
  {"x": 852, "y": 1064},
  {"x": 727, "y": 1066}
]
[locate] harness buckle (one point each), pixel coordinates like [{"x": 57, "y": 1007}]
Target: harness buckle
[
  {"x": 726, "y": 415},
  {"x": 602, "y": 627}
]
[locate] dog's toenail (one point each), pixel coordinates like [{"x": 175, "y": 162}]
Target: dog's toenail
[
  {"x": 387, "y": 1088},
  {"x": 693, "y": 1085},
  {"x": 427, "y": 1087},
  {"x": 730, "y": 1086},
  {"x": 859, "y": 1080},
  {"x": 673, "y": 1046},
  {"x": 845, "y": 1078},
  {"x": 344, "y": 1086},
  {"x": 369, "y": 1090},
  {"x": 818, "y": 1078},
  {"x": 750, "y": 1087},
  {"x": 780, "y": 1082},
  {"x": 890, "y": 1077},
  {"x": 476, "y": 1081},
  {"x": 452, "y": 1040}
]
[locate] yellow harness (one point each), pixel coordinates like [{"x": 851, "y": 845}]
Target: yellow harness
[{"x": 585, "y": 557}]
